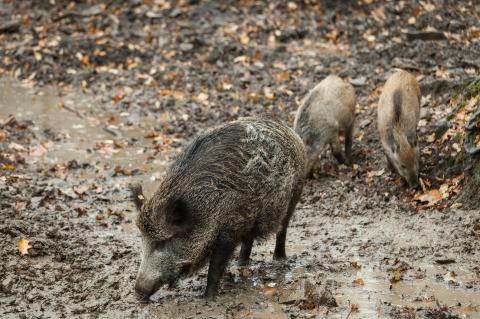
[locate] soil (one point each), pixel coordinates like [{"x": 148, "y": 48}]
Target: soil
[{"x": 98, "y": 95}]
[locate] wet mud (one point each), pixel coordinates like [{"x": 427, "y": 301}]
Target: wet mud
[{"x": 357, "y": 246}]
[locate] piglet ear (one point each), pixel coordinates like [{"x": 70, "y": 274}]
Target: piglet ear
[
  {"x": 179, "y": 216},
  {"x": 136, "y": 194}
]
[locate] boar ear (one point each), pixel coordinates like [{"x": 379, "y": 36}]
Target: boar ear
[
  {"x": 179, "y": 216},
  {"x": 136, "y": 194}
]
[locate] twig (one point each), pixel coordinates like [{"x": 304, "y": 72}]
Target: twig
[
  {"x": 68, "y": 108},
  {"x": 433, "y": 35}
]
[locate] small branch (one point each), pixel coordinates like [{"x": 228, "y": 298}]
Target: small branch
[
  {"x": 433, "y": 35},
  {"x": 77, "y": 113}
]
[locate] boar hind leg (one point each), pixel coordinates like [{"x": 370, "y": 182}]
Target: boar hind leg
[
  {"x": 279, "y": 252},
  {"x": 221, "y": 254},
  {"x": 245, "y": 251},
  {"x": 337, "y": 150},
  {"x": 348, "y": 145}
]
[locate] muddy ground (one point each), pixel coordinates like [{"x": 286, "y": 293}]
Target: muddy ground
[{"x": 96, "y": 95}]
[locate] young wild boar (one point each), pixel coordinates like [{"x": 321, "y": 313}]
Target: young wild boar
[
  {"x": 398, "y": 114},
  {"x": 233, "y": 184},
  {"x": 327, "y": 110}
]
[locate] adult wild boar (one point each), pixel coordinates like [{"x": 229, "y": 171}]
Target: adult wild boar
[
  {"x": 237, "y": 182},
  {"x": 398, "y": 115},
  {"x": 327, "y": 111}
]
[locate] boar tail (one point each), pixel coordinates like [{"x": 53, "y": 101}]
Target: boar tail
[{"x": 137, "y": 195}]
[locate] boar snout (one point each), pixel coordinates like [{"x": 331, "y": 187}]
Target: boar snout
[
  {"x": 413, "y": 181},
  {"x": 145, "y": 287}
]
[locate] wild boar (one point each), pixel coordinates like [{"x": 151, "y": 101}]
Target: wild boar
[
  {"x": 327, "y": 111},
  {"x": 235, "y": 183},
  {"x": 398, "y": 114}
]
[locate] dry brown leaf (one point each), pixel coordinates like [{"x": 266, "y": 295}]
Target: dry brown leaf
[
  {"x": 7, "y": 167},
  {"x": 81, "y": 189},
  {"x": 281, "y": 76},
  {"x": 121, "y": 170},
  {"x": 431, "y": 138},
  {"x": 395, "y": 279},
  {"x": 270, "y": 291},
  {"x": 473, "y": 34},
  {"x": 359, "y": 282},
  {"x": 375, "y": 173},
  {"x": 354, "y": 307},
  {"x": 24, "y": 246},
  {"x": 431, "y": 197},
  {"x": 244, "y": 39}
]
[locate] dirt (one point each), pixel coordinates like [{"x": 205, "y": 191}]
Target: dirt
[{"x": 98, "y": 95}]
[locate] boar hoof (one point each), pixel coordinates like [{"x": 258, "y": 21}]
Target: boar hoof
[
  {"x": 280, "y": 257},
  {"x": 311, "y": 174},
  {"x": 142, "y": 298},
  {"x": 243, "y": 262},
  {"x": 210, "y": 295}
]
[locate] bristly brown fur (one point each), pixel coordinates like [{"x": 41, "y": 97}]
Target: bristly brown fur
[
  {"x": 233, "y": 184},
  {"x": 398, "y": 115},
  {"x": 328, "y": 109}
]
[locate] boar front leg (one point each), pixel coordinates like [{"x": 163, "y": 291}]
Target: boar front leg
[
  {"x": 245, "y": 251},
  {"x": 221, "y": 254}
]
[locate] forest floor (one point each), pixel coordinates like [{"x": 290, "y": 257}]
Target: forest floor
[{"x": 97, "y": 95}]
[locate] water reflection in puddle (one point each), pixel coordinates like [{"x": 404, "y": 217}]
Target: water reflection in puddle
[
  {"x": 425, "y": 286},
  {"x": 81, "y": 134}
]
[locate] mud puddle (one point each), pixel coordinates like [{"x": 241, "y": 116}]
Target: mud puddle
[
  {"x": 425, "y": 286},
  {"x": 73, "y": 131}
]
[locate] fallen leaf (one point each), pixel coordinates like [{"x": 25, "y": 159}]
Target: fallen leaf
[
  {"x": 450, "y": 277},
  {"x": 81, "y": 189},
  {"x": 116, "y": 99},
  {"x": 37, "y": 151},
  {"x": 354, "y": 307},
  {"x": 19, "y": 206},
  {"x": 120, "y": 170},
  {"x": 7, "y": 167},
  {"x": 431, "y": 138},
  {"x": 395, "y": 279},
  {"x": 375, "y": 173},
  {"x": 431, "y": 197},
  {"x": 244, "y": 39},
  {"x": 270, "y": 291},
  {"x": 281, "y": 76},
  {"x": 152, "y": 134},
  {"x": 359, "y": 282},
  {"x": 24, "y": 246},
  {"x": 456, "y": 205}
]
